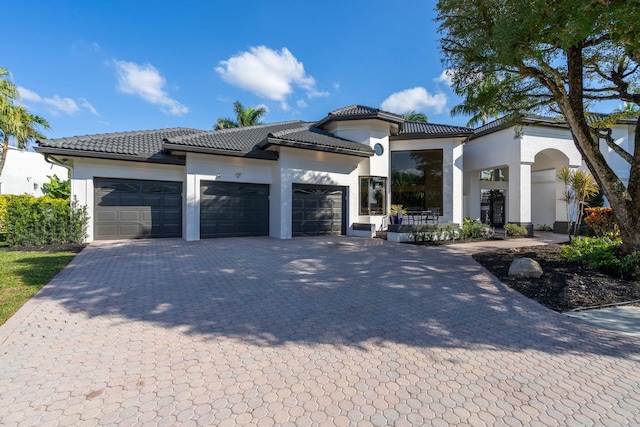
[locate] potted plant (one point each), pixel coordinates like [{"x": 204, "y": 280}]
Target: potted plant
[{"x": 396, "y": 213}]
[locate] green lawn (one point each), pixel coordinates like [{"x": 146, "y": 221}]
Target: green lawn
[{"x": 22, "y": 274}]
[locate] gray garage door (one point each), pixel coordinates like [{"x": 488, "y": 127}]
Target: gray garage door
[
  {"x": 233, "y": 210},
  {"x": 130, "y": 209},
  {"x": 318, "y": 210}
]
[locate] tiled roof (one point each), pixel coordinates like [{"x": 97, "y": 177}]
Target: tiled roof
[
  {"x": 511, "y": 120},
  {"x": 433, "y": 130},
  {"x": 240, "y": 140},
  {"x": 156, "y": 145},
  {"x": 359, "y": 112},
  {"x": 136, "y": 143},
  {"x": 356, "y": 110},
  {"x": 308, "y": 136}
]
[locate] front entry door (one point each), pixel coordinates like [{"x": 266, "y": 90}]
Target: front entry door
[{"x": 492, "y": 208}]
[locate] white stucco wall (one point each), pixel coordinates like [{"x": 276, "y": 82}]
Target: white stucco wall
[
  {"x": 545, "y": 198},
  {"x": 26, "y": 171},
  {"x": 369, "y": 132},
  {"x": 624, "y": 136},
  {"x": 522, "y": 155},
  {"x": 85, "y": 169}
]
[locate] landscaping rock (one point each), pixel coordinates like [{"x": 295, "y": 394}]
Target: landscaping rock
[{"x": 525, "y": 267}]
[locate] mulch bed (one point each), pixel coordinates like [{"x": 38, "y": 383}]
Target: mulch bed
[{"x": 565, "y": 285}]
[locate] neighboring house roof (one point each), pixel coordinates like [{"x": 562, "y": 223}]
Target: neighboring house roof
[
  {"x": 307, "y": 136},
  {"x": 138, "y": 145},
  {"x": 359, "y": 112},
  {"x": 413, "y": 130}
]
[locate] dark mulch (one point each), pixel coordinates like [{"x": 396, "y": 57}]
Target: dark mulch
[
  {"x": 70, "y": 247},
  {"x": 565, "y": 285}
]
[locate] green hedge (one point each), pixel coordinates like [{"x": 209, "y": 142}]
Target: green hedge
[{"x": 31, "y": 221}]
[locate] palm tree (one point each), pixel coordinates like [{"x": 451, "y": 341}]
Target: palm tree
[
  {"x": 413, "y": 116},
  {"x": 480, "y": 102},
  {"x": 15, "y": 121},
  {"x": 244, "y": 117},
  {"x": 8, "y": 91}
]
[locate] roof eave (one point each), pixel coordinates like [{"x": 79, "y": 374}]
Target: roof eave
[
  {"x": 314, "y": 147},
  {"x": 381, "y": 115},
  {"x": 144, "y": 158},
  {"x": 253, "y": 154},
  {"x": 420, "y": 135}
]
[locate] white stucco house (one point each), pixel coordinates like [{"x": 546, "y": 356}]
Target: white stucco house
[
  {"x": 338, "y": 175},
  {"x": 25, "y": 171},
  {"x": 281, "y": 180}
]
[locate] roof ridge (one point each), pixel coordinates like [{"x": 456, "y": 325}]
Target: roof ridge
[
  {"x": 260, "y": 126},
  {"x": 124, "y": 133}
]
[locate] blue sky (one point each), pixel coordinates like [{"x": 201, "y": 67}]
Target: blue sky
[{"x": 109, "y": 66}]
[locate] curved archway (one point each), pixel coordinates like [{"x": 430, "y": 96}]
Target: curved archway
[{"x": 547, "y": 210}]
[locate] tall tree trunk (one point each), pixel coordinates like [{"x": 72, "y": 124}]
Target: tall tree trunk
[
  {"x": 625, "y": 202},
  {"x": 5, "y": 150}
]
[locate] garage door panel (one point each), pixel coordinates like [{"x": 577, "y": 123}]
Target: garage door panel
[
  {"x": 233, "y": 209},
  {"x": 130, "y": 200},
  {"x": 318, "y": 210},
  {"x": 172, "y": 216},
  {"x": 127, "y": 209},
  {"x": 172, "y": 202},
  {"x": 106, "y": 216},
  {"x": 131, "y": 216}
]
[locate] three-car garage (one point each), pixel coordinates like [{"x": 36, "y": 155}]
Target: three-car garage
[{"x": 129, "y": 208}]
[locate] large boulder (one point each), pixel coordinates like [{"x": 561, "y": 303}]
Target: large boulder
[{"x": 525, "y": 267}]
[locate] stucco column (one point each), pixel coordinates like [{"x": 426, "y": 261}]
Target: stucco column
[
  {"x": 191, "y": 221},
  {"x": 474, "y": 197},
  {"x": 519, "y": 196},
  {"x": 457, "y": 185}
]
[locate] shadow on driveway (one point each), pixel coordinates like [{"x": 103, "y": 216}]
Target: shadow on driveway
[{"x": 341, "y": 291}]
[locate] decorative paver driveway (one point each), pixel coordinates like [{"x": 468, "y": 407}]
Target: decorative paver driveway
[{"x": 333, "y": 331}]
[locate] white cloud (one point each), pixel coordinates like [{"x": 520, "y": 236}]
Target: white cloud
[
  {"x": 88, "y": 106},
  {"x": 268, "y": 73},
  {"x": 301, "y": 104},
  {"x": 28, "y": 95},
  {"x": 56, "y": 104},
  {"x": 414, "y": 99},
  {"x": 66, "y": 105},
  {"x": 446, "y": 77},
  {"x": 146, "y": 82}
]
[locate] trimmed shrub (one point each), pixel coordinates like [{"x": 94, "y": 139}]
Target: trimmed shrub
[
  {"x": 600, "y": 222},
  {"x": 515, "y": 230},
  {"x": 4, "y": 201},
  {"x": 429, "y": 233},
  {"x": 474, "y": 229},
  {"x": 31, "y": 221},
  {"x": 603, "y": 253}
]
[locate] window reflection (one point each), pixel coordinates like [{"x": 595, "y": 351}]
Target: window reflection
[
  {"x": 373, "y": 191},
  {"x": 416, "y": 179}
]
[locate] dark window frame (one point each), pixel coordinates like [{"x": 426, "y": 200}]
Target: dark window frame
[
  {"x": 418, "y": 191},
  {"x": 365, "y": 205}
]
